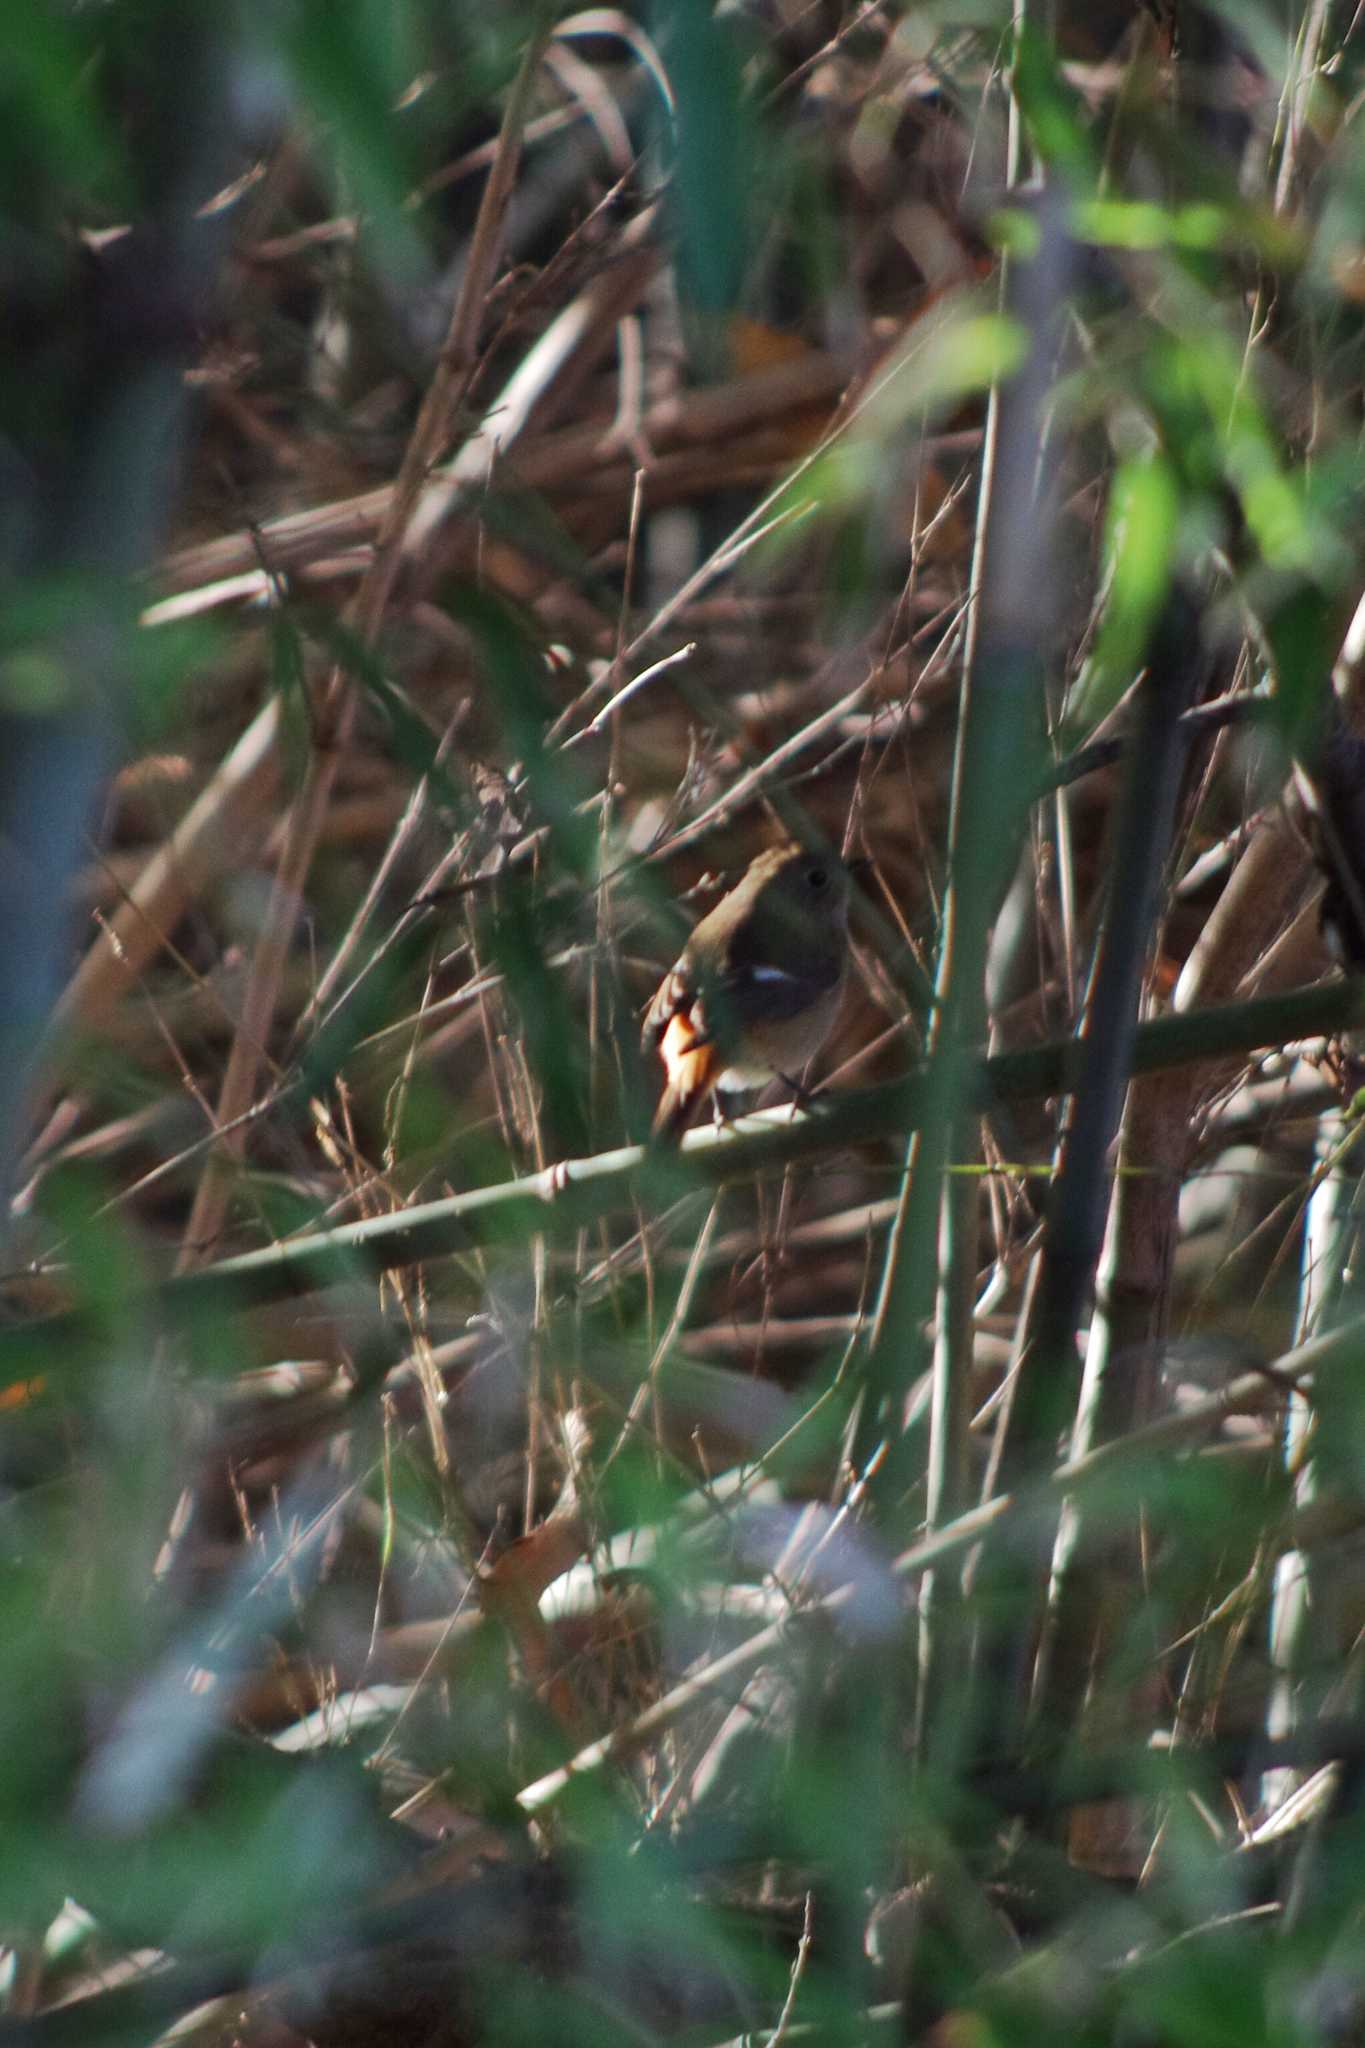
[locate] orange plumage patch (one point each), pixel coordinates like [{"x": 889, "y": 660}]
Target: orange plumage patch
[{"x": 690, "y": 1066}]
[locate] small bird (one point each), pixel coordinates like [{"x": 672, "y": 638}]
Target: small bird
[{"x": 755, "y": 992}]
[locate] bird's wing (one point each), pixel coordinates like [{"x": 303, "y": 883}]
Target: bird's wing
[
  {"x": 759, "y": 990},
  {"x": 676, "y": 993},
  {"x": 755, "y": 990}
]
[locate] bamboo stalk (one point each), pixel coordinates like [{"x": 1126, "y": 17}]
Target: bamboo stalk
[{"x": 573, "y": 1192}]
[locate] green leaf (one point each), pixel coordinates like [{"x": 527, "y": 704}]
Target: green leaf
[
  {"x": 52, "y": 119},
  {"x": 714, "y": 149},
  {"x": 349, "y": 65},
  {"x": 410, "y": 737},
  {"x": 1139, "y": 544},
  {"x": 1054, "y": 112}
]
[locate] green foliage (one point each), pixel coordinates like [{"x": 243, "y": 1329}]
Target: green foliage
[
  {"x": 348, "y": 67},
  {"x": 236, "y": 1526},
  {"x": 58, "y": 144},
  {"x": 715, "y": 145},
  {"x": 1140, "y": 542}
]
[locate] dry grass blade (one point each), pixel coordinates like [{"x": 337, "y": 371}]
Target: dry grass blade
[{"x": 847, "y": 1573}]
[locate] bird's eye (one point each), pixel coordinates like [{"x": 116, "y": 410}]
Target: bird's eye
[{"x": 818, "y": 877}]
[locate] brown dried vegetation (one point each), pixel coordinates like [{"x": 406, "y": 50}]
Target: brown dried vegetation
[{"x": 880, "y": 1568}]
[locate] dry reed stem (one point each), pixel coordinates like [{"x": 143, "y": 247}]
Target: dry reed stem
[
  {"x": 586, "y": 458},
  {"x": 243, "y": 791},
  {"x": 339, "y": 705}
]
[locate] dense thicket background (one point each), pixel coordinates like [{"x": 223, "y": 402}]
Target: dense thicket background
[{"x": 470, "y": 476}]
